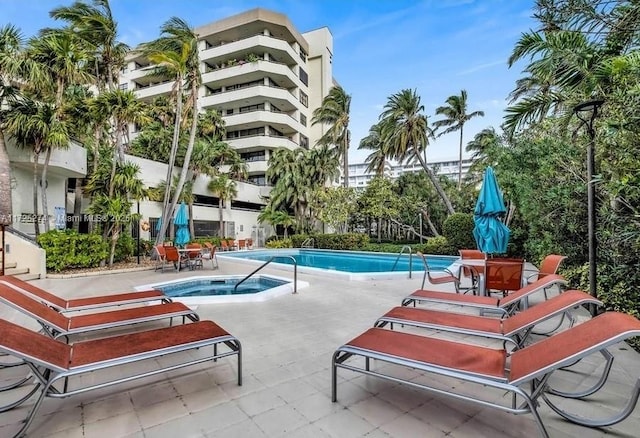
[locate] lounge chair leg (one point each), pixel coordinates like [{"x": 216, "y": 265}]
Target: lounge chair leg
[
  {"x": 334, "y": 378},
  {"x": 215, "y": 352},
  {"x": 239, "y": 363},
  {"x": 596, "y": 387},
  {"x": 367, "y": 364},
  {"x": 624, "y": 413},
  {"x": 17, "y": 403}
]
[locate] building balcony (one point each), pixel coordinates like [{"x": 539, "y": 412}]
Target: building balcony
[
  {"x": 281, "y": 74},
  {"x": 257, "y": 44},
  {"x": 281, "y": 121},
  {"x": 152, "y": 91},
  {"x": 68, "y": 163},
  {"x": 279, "y": 96},
  {"x": 261, "y": 141}
]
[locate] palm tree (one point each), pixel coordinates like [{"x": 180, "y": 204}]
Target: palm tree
[
  {"x": 94, "y": 24},
  {"x": 377, "y": 159},
  {"x": 225, "y": 189},
  {"x": 405, "y": 134},
  {"x": 10, "y": 51},
  {"x": 455, "y": 116},
  {"x": 176, "y": 55},
  {"x": 35, "y": 124},
  {"x": 334, "y": 112}
]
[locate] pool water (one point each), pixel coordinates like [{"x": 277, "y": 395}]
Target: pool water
[
  {"x": 219, "y": 286},
  {"x": 346, "y": 261}
]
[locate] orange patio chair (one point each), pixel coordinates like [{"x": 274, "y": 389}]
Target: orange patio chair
[
  {"x": 242, "y": 244},
  {"x": 469, "y": 272},
  {"x": 211, "y": 255},
  {"x": 550, "y": 265},
  {"x": 503, "y": 275},
  {"x": 446, "y": 277},
  {"x": 223, "y": 245},
  {"x": 195, "y": 256}
]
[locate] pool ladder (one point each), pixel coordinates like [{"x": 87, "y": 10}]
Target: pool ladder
[
  {"x": 295, "y": 272},
  {"x": 410, "y": 259}
]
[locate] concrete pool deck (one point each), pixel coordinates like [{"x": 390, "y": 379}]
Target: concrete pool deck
[{"x": 287, "y": 346}]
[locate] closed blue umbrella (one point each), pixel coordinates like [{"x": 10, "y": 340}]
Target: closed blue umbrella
[
  {"x": 182, "y": 221},
  {"x": 490, "y": 233}
]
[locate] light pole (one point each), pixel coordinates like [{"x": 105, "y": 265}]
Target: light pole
[{"x": 587, "y": 113}]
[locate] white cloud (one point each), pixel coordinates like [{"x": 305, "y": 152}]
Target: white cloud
[{"x": 481, "y": 67}]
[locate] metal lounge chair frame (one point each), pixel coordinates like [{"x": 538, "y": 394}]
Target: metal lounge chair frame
[
  {"x": 83, "y": 303},
  {"x": 448, "y": 277},
  {"x": 56, "y": 324},
  {"x": 54, "y": 364},
  {"x": 514, "y": 329},
  {"x": 505, "y": 305},
  {"x": 531, "y": 366}
]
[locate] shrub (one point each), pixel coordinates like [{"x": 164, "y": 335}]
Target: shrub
[
  {"x": 349, "y": 241},
  {"x": 437, "y": 246},
  {"x": 387, "y": 247},
  {"x": 298, "y": 239},
  {"x": 270, "y": 239},
  {"x": 458, "y": 230},
  {"x": 282, "y": 243},
  {"x": 124, "y": 247},
  {"x": 146, "y": 246},
  {"x": 70, "y": 249}
]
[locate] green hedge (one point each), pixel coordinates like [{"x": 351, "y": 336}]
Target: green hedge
[
  {"x": 349, "y": 241},
  {"x": 69, "y": 249},
  {"x": 458, "y": 229},
  {"x": 279, "y": 243},
  {"x": 437, "y": 246}
]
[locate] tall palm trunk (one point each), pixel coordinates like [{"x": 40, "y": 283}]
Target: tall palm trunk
[
  {"x": 221, "y": 218},
  {"x": 166, "y": 212},
  {"x": 345, "y": 161},
  {"x": 43, "y": 187},
  {"x": 436, "y": 184},
  {"x": 189, "y": 152},
  {"x": 6, "y": 211},
  {"x": 36, "y": 226},
  {"x": 460, "y": 162},
  {"x": 192, "y": 228}
]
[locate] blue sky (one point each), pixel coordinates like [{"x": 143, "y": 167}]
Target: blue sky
[{"x": 380, "y": 47}]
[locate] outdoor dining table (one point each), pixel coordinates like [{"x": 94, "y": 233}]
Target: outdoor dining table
[{"x": 477, "y": 266}]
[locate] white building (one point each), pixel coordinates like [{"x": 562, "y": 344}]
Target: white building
[
  {"x": 265, "y": 78},
  {"x": 359, "y": 177}
]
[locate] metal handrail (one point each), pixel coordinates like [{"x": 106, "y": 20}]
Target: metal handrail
[
  {"x": 410, "y": 259},
  {"x": 309, "y": 242},
  {"x": 22, "y": 235},
  {"x": 295, "y": 272}
]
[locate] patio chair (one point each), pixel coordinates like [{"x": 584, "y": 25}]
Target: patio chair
[
  {"x": 63, "y": 370},
  {"x": 223, "y": 245},
  {"x": 505, "y": 305},
  {"x": 231, "y": 243},
  {"x": 513, "y": 329},
  {"x": 249, "y": 243},
  {"x": 469, "y": 272},
  {"x": 211, "y": 255},
  {"x": 195, "y": 256},
  {"x": 168, "y": 255},
  {"x": 242, "y": 244},
  {"x": 447, "y": 277},
  {"x": 84, "y": 303},
  {"x": 550, "y": 265},
  {"x": 56, "y": 324},
  {"x": 525, "y": 376},
  {"x": 503, "y": 275}
]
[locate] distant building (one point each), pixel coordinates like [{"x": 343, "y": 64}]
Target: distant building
[{"x": 359, "y": 177}]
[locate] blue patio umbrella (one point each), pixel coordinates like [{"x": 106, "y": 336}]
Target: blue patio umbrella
[
  {"x": 490, "y": 233},
  {"x": 181, "y": 221}
]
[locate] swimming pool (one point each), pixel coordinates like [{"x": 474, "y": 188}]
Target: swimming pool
[
  {"x": 353, "y": 265},
  {"x": 221, "y": 288}
]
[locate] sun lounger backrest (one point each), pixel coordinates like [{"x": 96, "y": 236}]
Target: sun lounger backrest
[
  {"x": 33, "y": 290},
  {"x": 566, "y": 347},
  {"x": 545, "y": 309},
  {"x": 550, "y": 264},
  {"x": 34, "y": 347},
  {"x": 33, "y": 308},
  {"x": 544, "y": 282}
]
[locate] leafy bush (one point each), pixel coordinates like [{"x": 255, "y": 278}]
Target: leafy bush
[
  {"x": 386, "y": 247},
  {"x": 437, "y": 246},
  {"x": 458, "y": 230},
  {"x": 70, "y": 249},
  {"x": 298, "y": 239},
  {"x": 349, "y": 241},
  {"x": 146, "y": 246},
  {"x": 270, "y": 239},
  {"x": 282, "y": 243},
  {"x": 124, "y": 247}
]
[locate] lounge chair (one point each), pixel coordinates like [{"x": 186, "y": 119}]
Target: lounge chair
[
  {"x": 550, "y": 265},
  {"x": 59, "y": 368},
  {"x": 57, "y": 324},
  {"x": 526, "y": 376},
  {"x": 505, "y": 305},
  {"x": 514, "y": 329},
  {"x": 84, "y": 303}
]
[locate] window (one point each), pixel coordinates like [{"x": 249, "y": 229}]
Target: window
[
  {"x": 275, "y": 109},
  {"x": 253, "y": 156},
  {"x": 230, "y": 111},
  {"x": 304, "y": 141},
  {"x": 274, "y": 132},
  {"x": 245, "y": 133},
  {"x": 249, "y": 108},
  {"x": 304, "y": 99},
  {"x": 259, "y": 180},
  {"x": 304, "y": 77},
  {"x": 245, "y": 85},
  {"x": 303, "y": 119},
  {"x": 123, "y": 86},
  {"x": 303, "y": 55}
]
